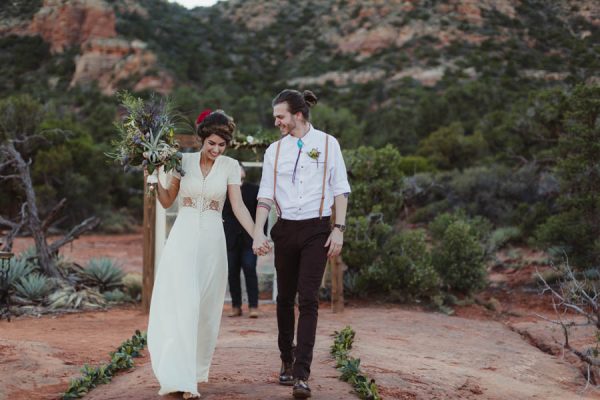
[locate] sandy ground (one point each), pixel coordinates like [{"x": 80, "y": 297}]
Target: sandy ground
[
  {"x": 126, "y": 249},
  {"x": 411, "y": 353}
]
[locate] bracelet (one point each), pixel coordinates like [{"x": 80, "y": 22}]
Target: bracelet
[{"x": 264, "y": 205}]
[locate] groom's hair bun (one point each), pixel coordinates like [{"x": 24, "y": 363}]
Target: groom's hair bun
[
  {"x": 296, "y": 101},
  {"x": 217, "y": 123},
  {"x": 309, "y": 98}
]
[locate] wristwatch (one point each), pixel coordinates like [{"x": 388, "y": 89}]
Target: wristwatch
[{"x": 341, "y": 227}]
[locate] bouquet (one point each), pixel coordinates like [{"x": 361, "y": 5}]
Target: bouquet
[{"x": 147, "y": 137}]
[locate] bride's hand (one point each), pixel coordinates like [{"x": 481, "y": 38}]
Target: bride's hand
[{"x": 260, "y": 245}]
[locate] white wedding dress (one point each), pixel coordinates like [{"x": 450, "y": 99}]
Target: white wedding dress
[{"x": 189, "y": 289}]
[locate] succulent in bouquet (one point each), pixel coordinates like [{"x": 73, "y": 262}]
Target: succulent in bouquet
[{"x": 147, "y": 137}]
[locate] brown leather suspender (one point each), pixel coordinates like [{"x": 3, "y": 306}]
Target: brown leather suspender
[
  {"x": 275, "y": 178},
  {"x": 324, "y": 177}
]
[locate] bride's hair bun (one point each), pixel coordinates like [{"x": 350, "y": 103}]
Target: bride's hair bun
[{"x": 217, "y": 123}]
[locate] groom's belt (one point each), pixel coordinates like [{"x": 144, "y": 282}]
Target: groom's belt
[{"x": 310, "y": 221}]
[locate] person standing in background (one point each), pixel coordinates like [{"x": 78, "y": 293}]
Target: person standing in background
[{"x": 240, "y": 256}]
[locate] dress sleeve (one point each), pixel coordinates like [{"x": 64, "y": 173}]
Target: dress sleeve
[{"x": 235, "y": 175}]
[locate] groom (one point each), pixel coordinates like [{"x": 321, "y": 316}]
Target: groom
[{"x": 303, "y": 176}]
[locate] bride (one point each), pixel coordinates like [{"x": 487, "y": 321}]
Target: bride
[{"x": 189, "y": 290}]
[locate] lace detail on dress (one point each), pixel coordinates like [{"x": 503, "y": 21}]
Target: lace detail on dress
[{"x": 202, "y": 204}]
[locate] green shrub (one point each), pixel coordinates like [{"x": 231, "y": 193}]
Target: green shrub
[
  {"x": 33, "y": 287},
  {"x": 410, "y": 273},
  {"x": 401, "y": 271},
  {"x": 427, "y": 213},
  {"x": 376, "y": 181},
  {"x": 133, "y": 284},
  {"x": 576, "y": 227},
  {"x": 458, "y": 258},
  {"x": 480, "y": 226},
  {"x": 116, "y": 296},
  {"x": 449, "y": 147},
  {"x": 104, "y": 273},
  {"x": 363, "y": 240},
  {"x": 411, "y": 165},
  {"x": 117, "y": 222},
  {"x": 501, "y": 237}
]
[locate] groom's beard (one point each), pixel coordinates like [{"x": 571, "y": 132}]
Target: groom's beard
[{"x": 287, "y": 129}]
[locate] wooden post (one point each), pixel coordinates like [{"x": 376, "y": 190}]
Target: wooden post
[
  {"x": 337, "y": 284},
  {"x": 149, "y": 250},
  {"x": 337, "y": 279}
]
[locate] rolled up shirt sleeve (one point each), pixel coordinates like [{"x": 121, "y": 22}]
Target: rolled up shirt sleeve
[
  {"x": 265, "y": 190},
  {"x": 339, "y": 176}
]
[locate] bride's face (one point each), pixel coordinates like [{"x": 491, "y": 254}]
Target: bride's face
[{"x": 214, "y": 146}]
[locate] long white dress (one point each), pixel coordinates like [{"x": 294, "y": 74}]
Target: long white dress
[{"x": 189, "y": 289}]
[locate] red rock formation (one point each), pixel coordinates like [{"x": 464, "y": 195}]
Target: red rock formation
[
  {"x": 105, "y": 59},
  {"x": 111, "y": 62},
  {"x": 68, "y": 23}
]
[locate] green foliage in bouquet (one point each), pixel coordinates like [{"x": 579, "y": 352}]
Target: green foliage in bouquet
[{"x": 147, "y": 135}]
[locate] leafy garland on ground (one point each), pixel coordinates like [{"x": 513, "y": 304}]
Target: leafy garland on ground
[
  {"x": 121, "y": 359},
  {"x": 350, "y": 367}
]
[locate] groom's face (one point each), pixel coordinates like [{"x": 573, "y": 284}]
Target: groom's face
[{"x": 284, "y": 120}]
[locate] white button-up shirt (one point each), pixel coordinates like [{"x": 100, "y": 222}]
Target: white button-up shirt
[{"x": 301, "y": 199}]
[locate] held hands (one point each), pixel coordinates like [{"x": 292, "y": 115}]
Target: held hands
[
  {"x": 261, "y": 245},
  {"x": 335, "y": 243}
]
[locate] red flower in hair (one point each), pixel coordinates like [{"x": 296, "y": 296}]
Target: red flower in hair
[{"x": 202, "y": 115}]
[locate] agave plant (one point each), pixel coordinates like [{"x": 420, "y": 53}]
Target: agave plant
[
  {"x": 33, "y": 287},
  {"x": 103, "y": 273},
  {"x": 69, "y": 298},
  {"x": 18, "y": 268}
]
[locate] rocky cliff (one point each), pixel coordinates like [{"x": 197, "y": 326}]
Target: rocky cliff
[
  {"x": 104, "y": 58},
  {"x": 156, "y": 45}
]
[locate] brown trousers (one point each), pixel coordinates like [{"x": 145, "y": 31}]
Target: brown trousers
[{"x": 300, "y": 258}]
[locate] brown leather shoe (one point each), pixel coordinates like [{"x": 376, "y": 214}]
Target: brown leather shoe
[
  {"x": 301, "y": 390},
  {"x": 253, "y": 312},
  {"x": 286, "y": 374},
  {"x": 236, "y": 312}
]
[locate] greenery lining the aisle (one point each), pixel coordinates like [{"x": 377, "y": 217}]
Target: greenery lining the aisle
[
  {"x": 120, "y": 360},
  {"x": 350, "y": 366}
]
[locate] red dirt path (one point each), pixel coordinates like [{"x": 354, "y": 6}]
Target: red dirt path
[{"x": 412, "y": 354}]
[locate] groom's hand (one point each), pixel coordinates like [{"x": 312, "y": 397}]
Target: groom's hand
[
  {"x": 335, "y": 243},
  {"x": 260, "y": 245},
  {"x": 266, "y": 247}
]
